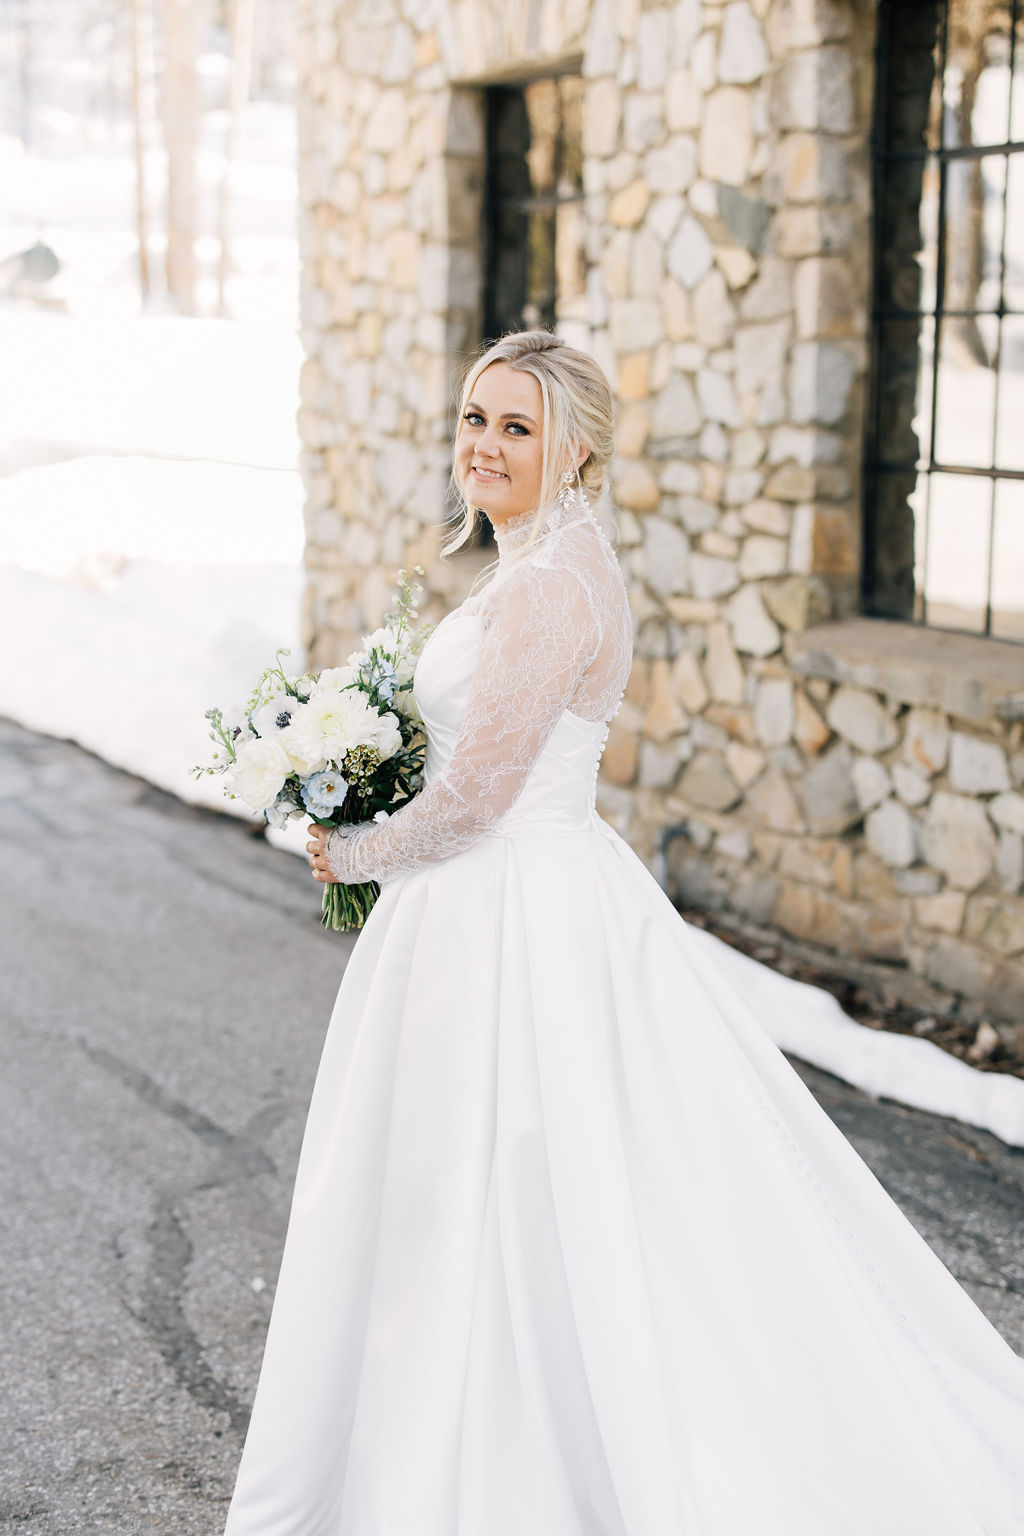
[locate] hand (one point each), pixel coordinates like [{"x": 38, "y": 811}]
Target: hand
[{"x": 317, "y": 850}]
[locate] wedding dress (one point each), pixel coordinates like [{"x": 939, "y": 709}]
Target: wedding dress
[{"x": 573, "y": 1250}]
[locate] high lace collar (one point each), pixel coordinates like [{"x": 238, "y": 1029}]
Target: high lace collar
[{"x": 510, "y": 535}]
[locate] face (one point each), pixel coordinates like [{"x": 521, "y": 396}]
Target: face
[{"x": 499, "y": 447}]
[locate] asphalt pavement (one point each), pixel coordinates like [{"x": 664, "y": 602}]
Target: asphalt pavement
[{"x": 164, "y": 991}]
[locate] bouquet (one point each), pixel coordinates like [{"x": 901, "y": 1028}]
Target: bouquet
[{"x": 341, "y": 746}]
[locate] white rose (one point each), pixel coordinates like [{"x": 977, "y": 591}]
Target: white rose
[
  {"x": 389, "y": 737},
  {"x": 259, "y": 772}
]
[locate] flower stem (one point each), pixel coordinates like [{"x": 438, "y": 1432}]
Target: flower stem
[{"x": 345, "y": 907}]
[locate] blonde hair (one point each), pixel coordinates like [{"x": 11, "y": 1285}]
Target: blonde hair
[{"x": 578, "y": 413}]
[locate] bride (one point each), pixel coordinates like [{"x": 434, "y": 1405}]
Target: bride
[{"x": 573, "y": 1251}]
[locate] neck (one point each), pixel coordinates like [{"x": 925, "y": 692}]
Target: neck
[{"x": 511, "y": 534}]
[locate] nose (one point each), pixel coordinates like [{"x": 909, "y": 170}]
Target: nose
[{"x": 487, "y": 442}]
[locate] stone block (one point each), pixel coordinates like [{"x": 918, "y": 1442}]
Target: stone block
[
  {"x": 753, "y": 629},
  {"x": 745, "y": 762},
  {"x": 664, "y": 716},
  {"x": 943, "y": 911},
  {"x": 1007, "y": 811},
  {"x": 676, "y": 413},
  {"x": 707, "y": 782},
  {"x": 717, "y": 397},
  {"x": 742, "y": 52},
  {"x": 671, "y": 168},
  {"x": 824, "y": 297},
  {"x": 619, "y": 761},
  {"x": 958, "y": 840},
  {"x": 735, "y": 719},
  {"x": 814, "y": 90},
  {"x": 722, "y": 667},
  {"x": 996, "y": 924},
  {"x": 871, "y": 782},
  {"x": 760, "y": 353},
  {"x": 892, "y": 834},
  {"x": 683, "y": 102},
  {"x": 821, "y": 375},
  {"x": 652, "y": 47},
  {"x": 1010, "y": 862},
  {"x": 859, "y": 718},
  {"x": 926, "y": 737},
  {"x": 667, "y": 559},
  {"x": 830, "y": 802},
  {"x": 812, "y": 169},
  {"x": 602, "y": 117},
  {"x": 809, "y": 729},
  {"x": 742, "y": 486},
  {"x": 714, "y": 317},
  {"x": 690, "y": 254},
  {"x": 688, "y": 683},
  {"x": 958, "y": 967},
  {"x": 978, "y": 767},
  {"x": 629, "y": 205},
  {"x": 760, "y": 556},
  {"x": 797, "y": 601},
  {"x": 774, "y": 711},
  {"x": 635, "y": 486},
  {"x": 726, "y": 138},
  {"x": 658, "y": 766},
  {"x": 747, "y": 219},
  {"x": 773, "y": 804}
]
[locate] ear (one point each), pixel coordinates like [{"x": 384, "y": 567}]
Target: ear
[{"x": 582, "y": 454}]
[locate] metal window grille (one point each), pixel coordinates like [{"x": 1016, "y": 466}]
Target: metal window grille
[{"x": 944, "y": 482}]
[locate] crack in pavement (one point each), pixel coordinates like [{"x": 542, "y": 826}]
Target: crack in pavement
[
  {"x": 247, "y": 1158},
  {"x": 161, "y": 1309},
  {"x": 162, "y": 1314}
]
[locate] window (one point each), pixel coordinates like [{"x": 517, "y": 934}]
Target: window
[
  {"x": 534, "y": 247},
  {"x": 944, "y": 527}
]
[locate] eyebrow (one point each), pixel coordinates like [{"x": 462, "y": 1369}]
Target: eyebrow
[{"x": 471, "y": 405}]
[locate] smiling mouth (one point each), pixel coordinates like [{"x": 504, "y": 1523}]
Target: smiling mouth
[{"x": 488, "y": 474}]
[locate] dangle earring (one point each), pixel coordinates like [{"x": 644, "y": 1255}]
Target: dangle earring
[{"x": 569, "y": 494}]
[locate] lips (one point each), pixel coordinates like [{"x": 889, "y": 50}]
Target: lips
[{"x": 488, "y": 474}]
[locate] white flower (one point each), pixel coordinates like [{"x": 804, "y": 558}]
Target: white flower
[
  {"x": 336, "y": 677},
  {"x": 331, "y": 723},
  {"x": 388, "y": 737},
  {"x": 305, "y": 751},
  {"x": 259, "y": 772},
  {"x": 277, "y": 713}
]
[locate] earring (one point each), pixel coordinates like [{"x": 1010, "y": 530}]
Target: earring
[{"x": 567, "y": 495}]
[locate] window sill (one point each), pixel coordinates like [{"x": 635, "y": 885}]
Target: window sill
[{"x": 968, "y": 676}]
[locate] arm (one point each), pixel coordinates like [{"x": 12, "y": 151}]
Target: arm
[{"x": 541, "y": 636}]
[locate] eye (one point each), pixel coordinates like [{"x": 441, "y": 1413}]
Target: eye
[
  {"x": 518, "y": 427},
  {"x": 473, "y": 417}
]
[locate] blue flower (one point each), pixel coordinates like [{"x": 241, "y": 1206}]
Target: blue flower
[{"x": 323, "y": 792}]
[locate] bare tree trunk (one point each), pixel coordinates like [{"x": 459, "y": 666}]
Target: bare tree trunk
[
  {"x": 243, "y": 12},
  {"x": 143, "y": 107},
  {"x": 181, "y": 113}
]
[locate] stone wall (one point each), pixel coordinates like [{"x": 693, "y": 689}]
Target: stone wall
[{"x": 819, "y": 788}]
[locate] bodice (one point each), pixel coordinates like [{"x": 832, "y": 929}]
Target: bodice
[{"x": 559, "y": 793}]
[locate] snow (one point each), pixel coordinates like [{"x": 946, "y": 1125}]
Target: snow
[{"x": 807, "y": 1022}]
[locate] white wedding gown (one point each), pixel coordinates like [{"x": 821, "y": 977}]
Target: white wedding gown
[{"x": 573, "y": 1250}]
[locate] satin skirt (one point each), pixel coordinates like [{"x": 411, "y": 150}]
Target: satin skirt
[{"x": 573, "y": 1250}]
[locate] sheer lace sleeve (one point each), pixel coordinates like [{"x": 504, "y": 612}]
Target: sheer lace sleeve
[{"x": 542, "y": 634}]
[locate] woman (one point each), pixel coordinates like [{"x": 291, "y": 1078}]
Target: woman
[{"x": 573, "y": 1251}]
